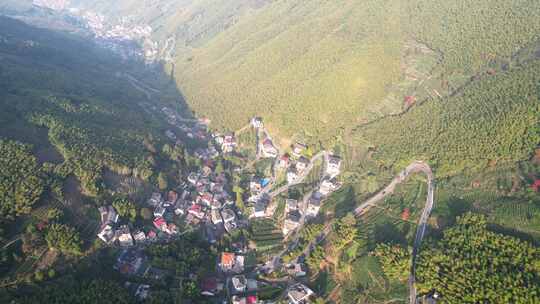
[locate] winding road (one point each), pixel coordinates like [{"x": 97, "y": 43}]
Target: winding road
[{"x": 415, "y": 167}]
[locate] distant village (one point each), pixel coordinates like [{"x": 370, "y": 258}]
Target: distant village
[{"x": 203, "y": 203}]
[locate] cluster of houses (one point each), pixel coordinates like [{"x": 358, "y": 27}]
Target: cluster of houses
[
  {"x": 210, "y": 202},
  {"x": 112, "y": 232},
  {"x": 204, "y": 201},
  {"x": 199, "y": 130}
]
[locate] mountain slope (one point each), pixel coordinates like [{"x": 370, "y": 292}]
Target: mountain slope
[
  {"x": 495, "y": 119},
  {"x": 297, "y": 65},
  {"x": 318, "y": 66},
  {"x": 72, "y": 88}
]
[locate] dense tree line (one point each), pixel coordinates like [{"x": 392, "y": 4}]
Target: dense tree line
[
  {"x": 394, "y": 259},
  {"x": 85, "y": 292},
  {"x": 182, "y": 257},
  {"x": 64, "y": 238},
  {"x": 21, "y": 180},
  {"x": 471, "y": 34},
  {"x": 471, "y": 264}
]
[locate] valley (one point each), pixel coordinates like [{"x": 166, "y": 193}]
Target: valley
[{"x": 255, "y": 151}]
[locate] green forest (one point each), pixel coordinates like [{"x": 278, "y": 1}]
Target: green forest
[
  {"x": 472, "y": 264},
  {"x": 21, "y": 180},
  {"x": 379, "y": 83},
  {"x": 89, "y": 113},
  {"x": 325, "y": 73},
  {"x": 494, "y": 119}
]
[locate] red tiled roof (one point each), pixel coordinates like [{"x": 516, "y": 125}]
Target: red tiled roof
[
  {"x": 252, "y": 299},
  {"x": 536, "y": 185},
  {"x": 159, "y": 222},
  {"x": 227, "y": 258}
]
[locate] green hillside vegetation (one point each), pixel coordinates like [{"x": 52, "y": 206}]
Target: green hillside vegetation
[
  {"x": 88, "y": 292},
  {"x": 303, "y": 69},
  {"x": 21, "y": 180},
  {"x": 470, "y": 33},
  {"x": 471, "y": 264},
  {"x": 70, "y": 87},
  {"x": 495, "y": 119},
  {"x": 297, "y": 66}
]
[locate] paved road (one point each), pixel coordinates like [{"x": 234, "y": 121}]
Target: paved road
[
  {"x": 303, "y": 175},
  {"x": 415, "y": 167}
]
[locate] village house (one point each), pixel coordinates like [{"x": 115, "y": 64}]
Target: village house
[
  {"x": 268, "y": 149},
  {"x": 215, "y": 204},
  {"x": 298, "y": 148},
  {"x": 108, "y": 215},
  {"x": 205, "y": 199},
  {"x": 215, "y": 217},
  {"x": 211, "y": 287},
  {"x": 251, "y": 299},
  {"x": 314, "y": 204},
  {"x": 231, "y": 262},
  {"x": 160, "y": 223},
  {"x": 142, "y": 292},
  {"x": 333, "y": 166},
  {"x": 291, "y": 205},
  {"x": 106, "y": 234},
  {"x": 196, "y": 211},
  {"x": 255, "y": 185},
  {"x": 139, "y": 237},
  {"x": 155, "y": 199},
  {"x": 239, "y": 283},
  {"x": 329, "y": 185},
  {"x": 227, "y": 261},
  {"x": 193, "y": 178},
  {"x": 229, "y": 219},
  {"x": 180, "y": 207},
  {"x": 229, "y": 143},
  {"x": 292, "y": 175},
  {"x": 172, "y": 197},
  {"x": 159, "y": 211},
  {"x": 291, "y": 222},
  {"x": 302, "y": 163},
  {"x": 259, "y": 209},
  {"x": 284, "y": 161},
  {"x": 218, "y": 139},
  {"x": 299, "y": 293},
  {"x": 124, "y": 236},
  {"x": 297, "y": 270},
  {"x": 257, "y": 122}
]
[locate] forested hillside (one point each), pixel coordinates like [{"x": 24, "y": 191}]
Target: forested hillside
[
  {"x": 72, "y": 88},
  {"x": 495, "y": 119},
  {"x": 298, "y": 66},
  {"x": 304, "y": 69},
  {"x": 21, "y": 180}
]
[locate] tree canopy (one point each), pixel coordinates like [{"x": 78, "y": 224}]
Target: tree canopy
[
  {"x": 21, "y": 184},
  {"x": 471, "y": 264}
]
